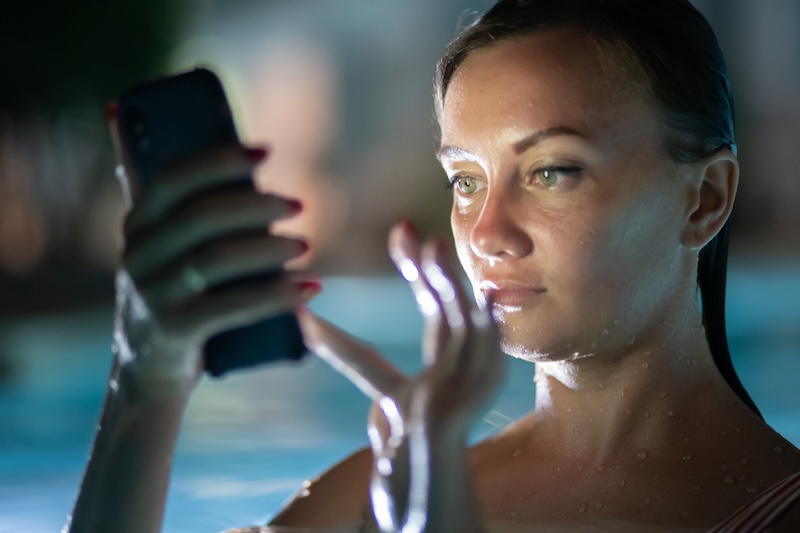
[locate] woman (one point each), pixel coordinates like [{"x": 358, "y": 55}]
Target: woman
[{"x": 590, "y": 149}]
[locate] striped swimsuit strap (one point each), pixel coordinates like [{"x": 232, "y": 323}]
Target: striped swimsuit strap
[{"x": 762, "y": 513}]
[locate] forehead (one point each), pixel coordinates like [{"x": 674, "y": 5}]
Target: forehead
[{"x": 551, "y": 78}]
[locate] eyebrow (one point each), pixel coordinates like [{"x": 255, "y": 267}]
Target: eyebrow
[{"x": 453, "y": 152}]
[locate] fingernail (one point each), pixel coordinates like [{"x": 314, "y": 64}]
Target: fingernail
[
  {"x": 111, "y": 110},
  {"x": 255, "y": 154},
  {"x": 408, "y": 227},
  {"x": 295, "y": 206},
  {"x": 309, "y": 287},
  {"x": 304, "y": 246}
]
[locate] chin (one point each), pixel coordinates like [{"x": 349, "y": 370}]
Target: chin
[
  {"x": 525, "y": 352},
  {"x": 520, "y": 343}
]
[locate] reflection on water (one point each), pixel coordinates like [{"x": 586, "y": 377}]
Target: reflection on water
[{"x": 251, "y": 439}]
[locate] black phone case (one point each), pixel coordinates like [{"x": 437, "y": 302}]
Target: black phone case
[{"x": 173, "y": 118}]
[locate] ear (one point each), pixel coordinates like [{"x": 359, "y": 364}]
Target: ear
[{"x": 715, "y": 182}]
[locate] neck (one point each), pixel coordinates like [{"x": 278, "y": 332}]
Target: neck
[{"x": 609, "y": 403}]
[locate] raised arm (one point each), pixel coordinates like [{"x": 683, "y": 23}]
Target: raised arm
[
  {"x": 418, "y": 425},
  {"x": 199, "y": 225}
]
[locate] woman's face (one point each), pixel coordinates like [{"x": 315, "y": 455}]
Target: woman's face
[{"x": 567, "y": 211}]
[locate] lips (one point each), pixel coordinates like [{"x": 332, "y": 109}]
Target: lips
[{"x": 510, "y": 295}]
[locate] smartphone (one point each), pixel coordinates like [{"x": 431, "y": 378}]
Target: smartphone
[{"x": 167, "y": 120}]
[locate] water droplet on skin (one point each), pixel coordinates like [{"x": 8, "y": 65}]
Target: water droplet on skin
[
  {"x": 604, "y": 332},
  {"x": 636, "y": 372},
  {"x": 630, "y": 342},
  {"x": 600, "y": 468},
  {"x": 670, "y": 413},
  {"x": 777, "y": 449},
  {"x": 743, "y": 462},
  {"x": 647, "y": 414},
  {"x": 582, "y": 507},
  {"x": 641, "y": 454},
  {"x": 621, "y": 483},
  {"x": 628, "y": 412},
  {"x": 662, "y": 395},
  {"x": 645, "y": 365},
  {"x": 646, "y": 500},
  {"x": 728, "y": 480},
  {"x": 598, "y": 506},
  {"x": 516, "y": 453},
  {"x": 687, "y": 457},
  {"x": 647, "y": 352}
]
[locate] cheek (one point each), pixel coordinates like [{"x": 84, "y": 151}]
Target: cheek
[
  {"x": 461, "y": 232},
  {"x": 626, "y": 256}
]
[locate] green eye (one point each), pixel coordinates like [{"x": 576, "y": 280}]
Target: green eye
[
  {"x": 553, "y": 176},
  {"x": 466, "y": 184},
  {"x": 548, "y": 177}
]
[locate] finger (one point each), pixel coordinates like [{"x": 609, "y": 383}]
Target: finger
[
  {"x": 203, "y": 220},
  {"x": 362, "y": 365},
  {"x": 404, "y": 249},
  {"x": 236, "y": 305},
  {"x": 218, "y": 263},
  {"x": 216, "y": 169},
  {"x": 442, "y": 275}
]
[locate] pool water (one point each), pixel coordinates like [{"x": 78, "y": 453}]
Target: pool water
[{"x": 249, "y": 440}]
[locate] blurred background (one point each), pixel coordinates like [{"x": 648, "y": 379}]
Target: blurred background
[{"x": 341, "y": 91}]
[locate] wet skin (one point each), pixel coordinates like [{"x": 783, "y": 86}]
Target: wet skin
[
  {"x": 562, "y": 189},
  {"x": 571, "y": 217}
]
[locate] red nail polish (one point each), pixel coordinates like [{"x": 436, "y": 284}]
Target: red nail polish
[
  {"x": 295, "y": 205},
  {"x": 111, "y": 110},
  {"x": 304, "y": 246},
  {"x": 309, "y": 285},
  {"x": 408, "y": 227},
  {"x": 255, "y": 154}
]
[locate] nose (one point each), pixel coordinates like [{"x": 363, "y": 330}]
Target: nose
[{"x": 499, "y": 231}]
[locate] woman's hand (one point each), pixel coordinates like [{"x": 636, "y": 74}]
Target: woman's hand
[
  {"x": 196, "y": 244},
  {"x": 418, "y": 425},
  {"x": 199, "y": 225}
]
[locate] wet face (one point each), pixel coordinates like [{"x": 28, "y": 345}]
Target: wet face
[{"x": 567, "y": 211}]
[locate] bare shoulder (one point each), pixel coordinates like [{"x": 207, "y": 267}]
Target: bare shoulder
[{"x": 338, "y": 496}]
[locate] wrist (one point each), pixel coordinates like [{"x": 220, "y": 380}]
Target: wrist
[{"x": 150, "y": 373}]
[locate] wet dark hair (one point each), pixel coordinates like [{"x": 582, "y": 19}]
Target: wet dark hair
[{"x": 672, "y": 52}]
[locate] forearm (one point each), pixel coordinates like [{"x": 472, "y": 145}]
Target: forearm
[{"x": 125, "y": 485}]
